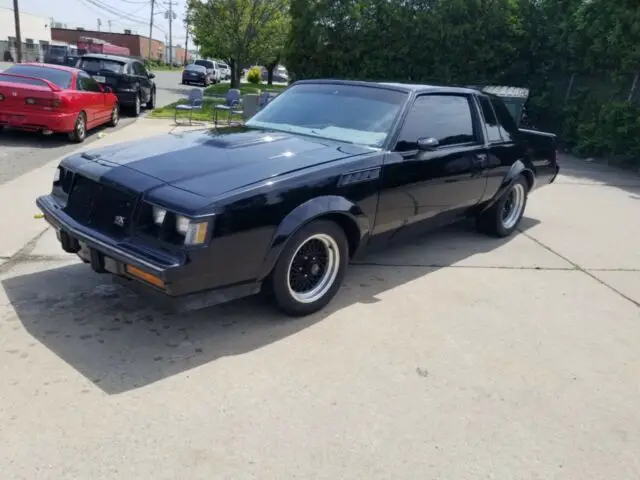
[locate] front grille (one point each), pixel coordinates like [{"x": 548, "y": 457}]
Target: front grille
[{"x": 100, "y": 206}]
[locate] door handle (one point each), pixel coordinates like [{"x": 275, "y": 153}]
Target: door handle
[{"x": 481, "y": 159}]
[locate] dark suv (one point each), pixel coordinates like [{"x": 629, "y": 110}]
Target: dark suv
[{"x": 127, "y": 77}]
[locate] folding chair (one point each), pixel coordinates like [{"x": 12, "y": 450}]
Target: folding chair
[
  {"x": 232, "y": 104},
  {"x": 196, "y": 102}
]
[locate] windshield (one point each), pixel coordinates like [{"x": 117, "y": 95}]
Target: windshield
[
  {"x": 61, "y": 78},
  {"x": 349, "y": 113},
  {"x": 204, "y": 63},
  {"x": 98, "y": 64},
  {"x": 57, "y": 50}
]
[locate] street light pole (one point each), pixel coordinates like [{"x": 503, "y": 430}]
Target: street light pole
[
  {"x": 151, "y": 28},
  {"x": 16, "y": 19}
]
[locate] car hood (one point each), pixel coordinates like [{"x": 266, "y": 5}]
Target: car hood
[{"x": 209, "y": 163}]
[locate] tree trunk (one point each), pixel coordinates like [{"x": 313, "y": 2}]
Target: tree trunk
[
  {"x": 270, "y": 68},
  {"x": 235, "y": 66}
]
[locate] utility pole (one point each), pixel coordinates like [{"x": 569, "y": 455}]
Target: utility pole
[
  {"x": 16, "y": 19},
  {"x": 99, "y": 24},
  {"x": 186, "y": 43},
  {"x": 151, "y": 28},
  {"x": 171, "y": 16},
  {"x": 109, "y": 22}
]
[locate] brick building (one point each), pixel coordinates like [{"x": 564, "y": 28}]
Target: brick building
[{"x": 138, "y": 45}]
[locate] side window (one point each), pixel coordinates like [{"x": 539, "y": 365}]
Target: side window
[
  {"x": 139, "y": 69},
  {"x": 508, "y": 126},
  {"x": 493, "y": 129},
  {"x": 87, "y": 84},
  {"x": 447, "y": 118}
]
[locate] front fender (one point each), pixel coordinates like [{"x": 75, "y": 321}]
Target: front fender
[
  {"x": 518, "y": 168},
  {"x": 309, "y": 211}
]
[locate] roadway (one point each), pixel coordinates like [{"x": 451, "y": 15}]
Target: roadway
[{"x": 21, "y": 152}]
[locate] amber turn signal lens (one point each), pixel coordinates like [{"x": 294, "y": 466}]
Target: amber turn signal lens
[{"x": 147, "y": 277}]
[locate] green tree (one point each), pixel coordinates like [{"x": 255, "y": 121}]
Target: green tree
[{"x": 237, "y": 31}]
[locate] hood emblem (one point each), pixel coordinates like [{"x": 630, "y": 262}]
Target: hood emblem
[{"x": 119, "y": 220}]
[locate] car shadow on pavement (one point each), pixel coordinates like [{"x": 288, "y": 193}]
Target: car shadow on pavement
[
  {"x": 20, "y": 138},
  {"x": 119, "y": 342}
]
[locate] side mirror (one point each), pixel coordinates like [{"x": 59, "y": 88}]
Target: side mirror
[
  {"x": 428, "y": 143},
  {"x": 107, "y": 89},
  {"x": 152, "y": 75}
]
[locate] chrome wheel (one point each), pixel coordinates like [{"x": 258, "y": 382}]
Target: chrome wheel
[
  {"x": 81, "y": 128},
  {"x": 137, "y": 106},
  {"x": 115, "y": 116},
  {"x": 313, "y": 268},
  {"x": 513, "y": 206}
]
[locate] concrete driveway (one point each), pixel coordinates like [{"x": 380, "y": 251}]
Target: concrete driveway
[{"x": 455, "y": 356}]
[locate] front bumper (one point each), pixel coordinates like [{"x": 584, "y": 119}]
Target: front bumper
[
  {"x": 107, "y": 255},
  {"x": 39, "y": 120}
]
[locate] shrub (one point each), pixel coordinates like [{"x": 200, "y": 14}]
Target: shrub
[{"x": 255, "y": 75}]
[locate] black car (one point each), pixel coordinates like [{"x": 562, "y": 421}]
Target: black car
[
  {"x": 211, "y": 68},
  {"x": 195, "y": 74},
  {"x": 325, "y": 170},
  {"x": 128, "y": 78}
]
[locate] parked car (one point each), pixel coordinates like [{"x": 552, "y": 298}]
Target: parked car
[
  {"x": 126, "y": 76},
  {"x": 212, "y": 69},
  {"x": 225, "y": 71},
  {"x": 54, "y": 99},
  {"x": 285, "y": 202},
  {"x": 279, "y": 74},
  {"x": 195, "y": 74}
]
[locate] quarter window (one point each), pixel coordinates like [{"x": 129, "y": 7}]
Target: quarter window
[
  {"x": 447, "y": 118},
  {"x": 493, "y": 129},
  {"x": 508, "y": 126}
]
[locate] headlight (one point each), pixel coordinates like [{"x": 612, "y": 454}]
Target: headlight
[
  {"x": 158, "y": 215},
  {"x": 195, "y": 233},
  {"x": 56, "y": 176}
]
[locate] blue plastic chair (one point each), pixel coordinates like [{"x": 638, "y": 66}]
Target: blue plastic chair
[
  {"x": 263, "y": 99},
  {"x": 232, "y": 104},
  {"x": 196, "y": 102}
]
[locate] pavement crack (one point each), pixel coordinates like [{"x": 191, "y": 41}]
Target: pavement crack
[
  {"x": 586, "y": 272},
  {"x": 22, "y": 255},
  {"x": 479, "y": 267}
]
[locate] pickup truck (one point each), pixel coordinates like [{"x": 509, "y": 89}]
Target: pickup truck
[{"x": 282, "y": 203}]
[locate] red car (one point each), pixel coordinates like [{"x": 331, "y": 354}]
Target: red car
[{"x": 55, "y": 99}]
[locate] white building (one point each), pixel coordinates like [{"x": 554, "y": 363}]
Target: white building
[{"x": 34, "y": 30}]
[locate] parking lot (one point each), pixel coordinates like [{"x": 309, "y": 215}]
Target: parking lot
[
  {"x": 453, "y": 356},
  {"x": 21, "y": 152}
]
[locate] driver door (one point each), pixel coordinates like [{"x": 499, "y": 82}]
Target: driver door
[{"x": 427, "y": 184}]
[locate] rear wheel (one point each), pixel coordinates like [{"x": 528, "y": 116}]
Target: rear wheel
[
  {"x": 137, "y": 106},
  {"x": 151, "y": 104},
  {"x": 80, "y": 129},
  {"x": 505, "y": 215},
  {"x": 310, "y": 269},
  {"x": 115, "y": 116}
]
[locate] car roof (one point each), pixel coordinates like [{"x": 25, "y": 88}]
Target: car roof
[
  {"x": 106, "y": 56},
  {"x": 401, "y": 87},
  {"x": 49, "y": 65}
]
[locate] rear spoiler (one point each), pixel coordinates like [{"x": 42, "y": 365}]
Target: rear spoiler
[{"x": 52, "y": 86}]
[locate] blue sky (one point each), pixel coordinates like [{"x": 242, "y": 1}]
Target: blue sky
[{"x": 85, "y": 13}]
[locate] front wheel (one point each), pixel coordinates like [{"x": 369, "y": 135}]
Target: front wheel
[
  {"x": 505, "y": 215},
  {"x": 115, "y": 116},
  {"x": 310, "y": 269},
  {"x": 137, "y": 106},
  {"x": 80, "y": 129}
]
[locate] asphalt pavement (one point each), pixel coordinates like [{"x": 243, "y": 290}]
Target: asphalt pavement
[{"x": 21, "y": 152}]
